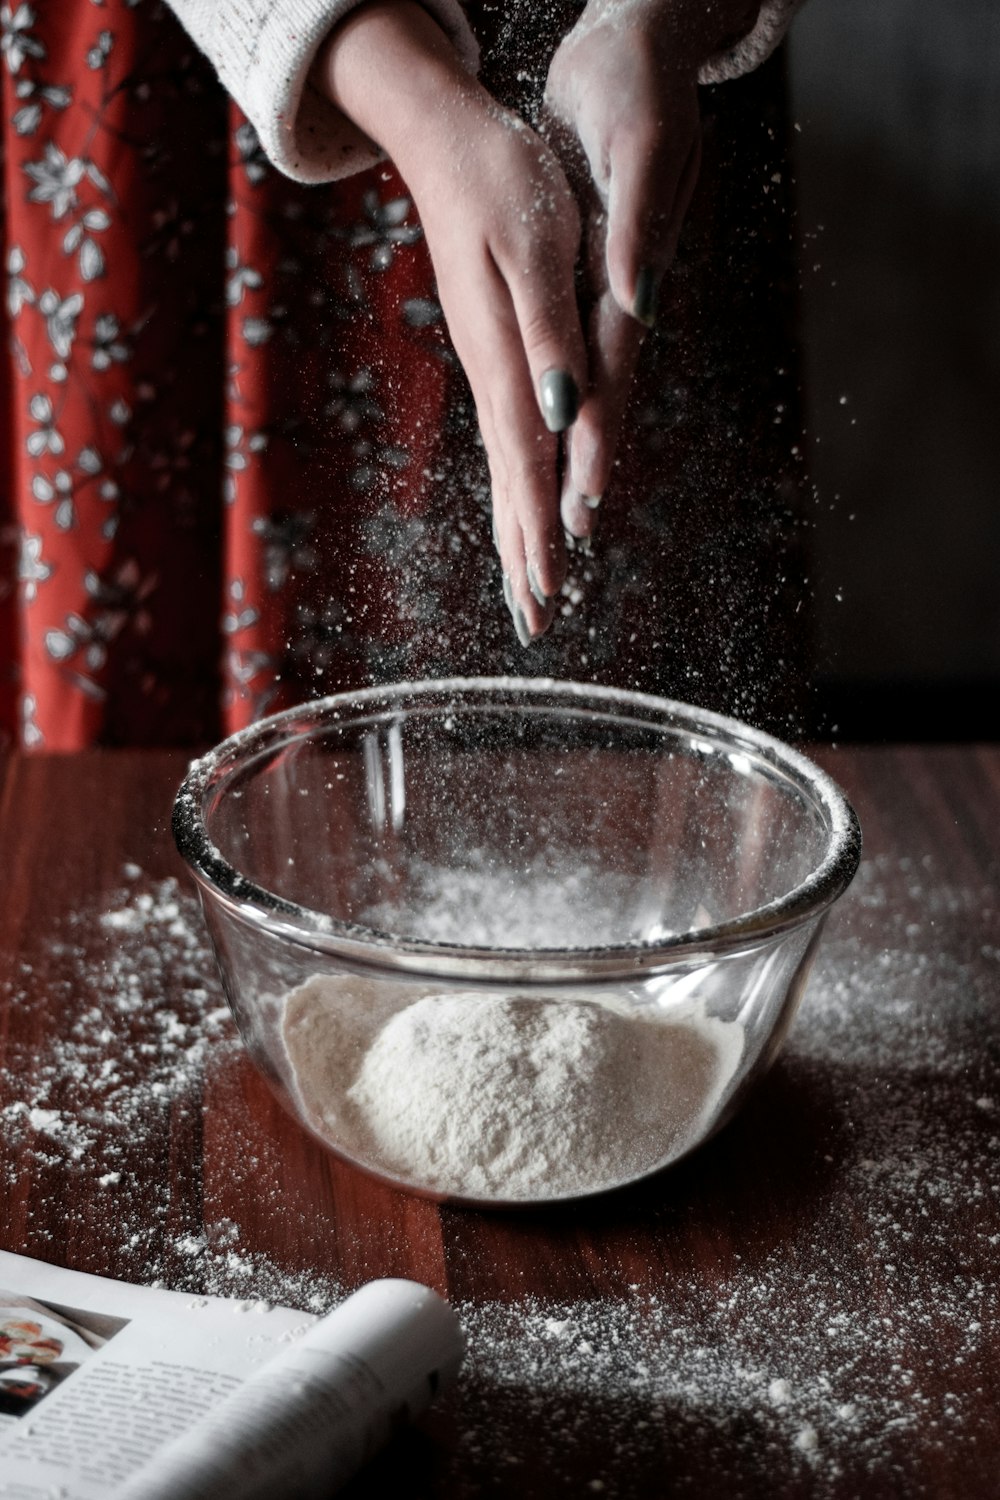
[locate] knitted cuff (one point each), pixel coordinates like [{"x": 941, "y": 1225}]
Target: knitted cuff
[
  {"x": 773, "y": 21},
  {"x": 263, "y": 51}
]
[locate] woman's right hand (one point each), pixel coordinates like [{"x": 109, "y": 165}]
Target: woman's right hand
[{"x": 503, "y": 231}]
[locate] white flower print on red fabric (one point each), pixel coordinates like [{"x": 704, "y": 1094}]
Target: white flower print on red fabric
[
  {"x": 79, "y": 238},
  {"x": 60, "y": 314},
  {"x": 32, "y": 737},
  {"x": 107, "y": 344},
  {"x": 241, "y": 279},
  {"x": 251, "y": 154},
  {"x": 20, "y": 292},
  {"x": 32, "y": 570},
  {"x": 58, "y": 492},
  {"x": 56, "y": 177},
  {"x": 16, "y": 41},
  {"x": 385, "y": 229},
  {"x": 46, "y": 438},
  {"x": 28, "y": 118},
  {"x": 99, "y": 53},
  {"x": 239, "y": 615}
]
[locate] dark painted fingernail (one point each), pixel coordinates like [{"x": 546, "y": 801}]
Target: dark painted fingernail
[
  {"x": 647, "y": 293},
  {"x": 508, "y": 594},
  {"x": 560, "y": 399},
  {"x": 591, "y": 501},
  {"x": 536, "y": 587},
  {"x": 521, "y": 626}
]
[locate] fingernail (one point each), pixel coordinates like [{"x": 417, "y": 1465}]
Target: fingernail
[
  {"x": 508, "y": 594},
  {"x": 559, "y": 398},
  {"x": 521, "y": 626},
  {"x": 493, "y": 526},
  {"x": 647, "y": 290},
  {"x": 536, "y": 587},
  {"x": 591, "y": 501}
]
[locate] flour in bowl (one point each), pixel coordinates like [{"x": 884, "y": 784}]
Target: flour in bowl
[{"x": 490, "y": 1095}]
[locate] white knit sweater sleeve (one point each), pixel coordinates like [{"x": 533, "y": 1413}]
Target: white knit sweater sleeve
[
  {"x": 263, "y": 50},
  {"x": 756, "y": 47}
]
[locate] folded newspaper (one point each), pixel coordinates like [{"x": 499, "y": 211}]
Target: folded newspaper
[{"x": 110, "y": 1390}]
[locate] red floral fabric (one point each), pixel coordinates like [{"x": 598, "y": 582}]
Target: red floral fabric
[
  {"x": 238, "y": 463},
  {"x": 188, "y": 396}
]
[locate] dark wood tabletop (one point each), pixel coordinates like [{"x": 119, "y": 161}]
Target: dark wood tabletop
[{"x": 806, "y": 1306}]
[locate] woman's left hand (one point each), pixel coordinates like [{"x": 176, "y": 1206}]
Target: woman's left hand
[{"x": 623, "y": 89}]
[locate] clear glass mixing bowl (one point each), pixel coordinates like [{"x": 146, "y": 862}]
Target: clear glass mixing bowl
[{"x": 510, "y": 941}]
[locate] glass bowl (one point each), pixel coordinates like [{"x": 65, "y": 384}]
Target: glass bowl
[{"x": 512, "y": 941}]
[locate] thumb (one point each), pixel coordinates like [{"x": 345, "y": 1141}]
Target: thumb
[{"x": 653, "y": 175}]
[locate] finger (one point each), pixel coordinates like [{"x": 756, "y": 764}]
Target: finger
[
  {"x": 523, "y": 459},
  {"x": 539, "y": 266},
  {"x": 522, "y": 453},
  {"x": 615, "y": 341},
  {"x": 652, "y": 179},
  {"x": 531, "y": 614}
]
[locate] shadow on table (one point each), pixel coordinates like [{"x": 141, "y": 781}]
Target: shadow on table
[
  {"x": 754, "y": 1187},
  {"x": 512, "y": 1440},
  {"x": 770, "y": 1164}
]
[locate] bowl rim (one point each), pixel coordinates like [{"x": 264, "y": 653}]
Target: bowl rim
[{"x": 368, "y": 949}]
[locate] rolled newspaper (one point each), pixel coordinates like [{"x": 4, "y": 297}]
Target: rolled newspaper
[{"x": 306, "y": 1421}]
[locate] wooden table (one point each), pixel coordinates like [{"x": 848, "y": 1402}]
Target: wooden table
[{"x": 806, "y": 1307}]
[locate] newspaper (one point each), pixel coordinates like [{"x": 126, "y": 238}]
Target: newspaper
[{"x": 111, "y": 1390}]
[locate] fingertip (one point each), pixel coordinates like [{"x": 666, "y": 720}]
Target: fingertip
[
  {"x": 578, "y": 512},
  {"x": 628, "y": 262},
  {"x": 524, "y": 634},
  {"x": 590, "y": 453},
  {"x": 652, "y": 179},
  {"x": 539, "y": 594},
  {"x": 530, "y": 607},
  {"x": 546, "y": 571},
  {"x": 558, "y": 399},
  {"x": 646, "y": 296},
  {"x": 531, "y": 617},
  {"x": 635, "y": 287},
  {"x": 541, "y": 618}
]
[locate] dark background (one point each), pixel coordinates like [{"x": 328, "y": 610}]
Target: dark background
[{"x": 897, "y": 157}]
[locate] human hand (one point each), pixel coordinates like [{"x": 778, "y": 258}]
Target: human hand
[
  {"x": 503, "y": 230},
  {"x": 622, "y": 89}
]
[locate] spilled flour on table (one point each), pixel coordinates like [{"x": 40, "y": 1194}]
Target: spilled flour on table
[
  {"x": 124, "y": 1054},
  {"x": 804, "y": 1355},
  {"x": 145, "y": 1022},
  {"x": 814, "y": 1359}
]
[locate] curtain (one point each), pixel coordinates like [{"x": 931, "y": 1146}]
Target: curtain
[
  {"x": 238, "y": 462},
  {"x": 203, "y": 362}
]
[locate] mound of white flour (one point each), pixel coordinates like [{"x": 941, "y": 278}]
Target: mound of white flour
[{"x": 500, "y": 1096}]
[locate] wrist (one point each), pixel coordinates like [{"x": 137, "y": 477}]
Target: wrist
[
  {"x": 684, "y": 33},
  {"x": 394, "y": 73}
]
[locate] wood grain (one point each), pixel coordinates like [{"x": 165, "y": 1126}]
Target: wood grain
[{"x": 771, "y": 1208}]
